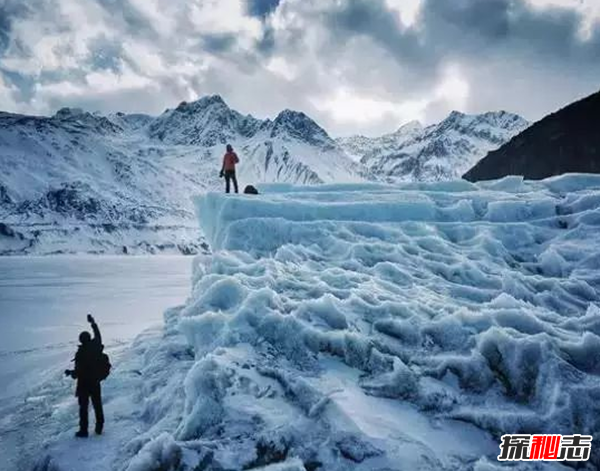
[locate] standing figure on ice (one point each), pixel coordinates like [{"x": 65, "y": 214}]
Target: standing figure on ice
[
  {"x": 230, "y": 159},
  {"x": 91, "y": 367}
]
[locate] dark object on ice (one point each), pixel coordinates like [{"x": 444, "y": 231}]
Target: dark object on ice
[
  {"x": 92, "y": 366},
  {"x": 250, "y": 190},
  {"x": 563, "y": 142},
  {"x": 230, "y": 159}
]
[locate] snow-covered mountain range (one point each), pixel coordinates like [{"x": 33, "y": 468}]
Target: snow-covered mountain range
[
  {"x": 441, "y": 151},
  {"x": 83, "y": 182}
]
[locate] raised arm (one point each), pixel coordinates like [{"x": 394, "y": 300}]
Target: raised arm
[{"x": 97, "y": 335}]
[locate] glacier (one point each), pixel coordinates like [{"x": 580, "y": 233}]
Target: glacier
[{"x": 365, "y": 326}]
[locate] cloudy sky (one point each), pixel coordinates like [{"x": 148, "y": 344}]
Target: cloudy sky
[{"x": 354, "y": 65}]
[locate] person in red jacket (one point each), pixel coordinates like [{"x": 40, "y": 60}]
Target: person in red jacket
[{"x": 230, "y": 159}]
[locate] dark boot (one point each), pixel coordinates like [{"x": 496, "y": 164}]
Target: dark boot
[
  {"x": 81, "y": 434},
  {"x": 99, "y": 428}
]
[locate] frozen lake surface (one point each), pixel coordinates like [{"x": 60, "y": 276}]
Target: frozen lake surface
[{"x": 44, "y": 302}]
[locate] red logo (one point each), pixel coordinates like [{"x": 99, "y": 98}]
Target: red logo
[{"x": 545, "y": 447}]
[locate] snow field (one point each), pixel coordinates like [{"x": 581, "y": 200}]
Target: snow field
[{"x": 373, "y": 327}]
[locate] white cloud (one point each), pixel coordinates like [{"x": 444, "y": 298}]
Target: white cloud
[
  {"x": 588, "y": 9},
  {"x": 146, "y": 59},
  {"x": 454, "y": 89},
  {"x": 349, "y": 106},
  {"x": 281, "y": 67},
  {"x": 107, "y": 81},
  {"x": 408, "y": 10},
  {"x": 159, "y": 14},
  {"x": 7, "y": 97},
  {"x": 55, "y": 36},
  {"x": 224, "y": 17}
]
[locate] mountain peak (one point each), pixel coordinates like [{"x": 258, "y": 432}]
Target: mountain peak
[
  {"x": 212, "y": 100},
  {"x": 84, "y": 119},
  {"x": 292, "y": 115},
  {"x": 500, "y": 119},
  {"x": 66, "y": 113},
  {"x": 455, "y": 116},
  {"x": 503, "y": 119},
  {"x": 208, "y": 121},
  {"x": 209, "y": 101},
  {"x": 409, "y": 127},
  {"x": 300, "y": 126}
]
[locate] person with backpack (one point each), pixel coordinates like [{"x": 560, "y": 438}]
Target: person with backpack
[
  {"x": 230, "y": 159},
  {"x": 91, "y": 367}
]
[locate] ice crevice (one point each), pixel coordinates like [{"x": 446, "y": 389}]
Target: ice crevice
[{"x": 374, "y": 327}]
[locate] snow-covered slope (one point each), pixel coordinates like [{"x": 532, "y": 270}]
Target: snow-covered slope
[
  {"x": 358, "y": 147},
  {"x": 369, "y": 327},
  {"x": 441, "y": 151},
  {"x": 84, "y": 182}
]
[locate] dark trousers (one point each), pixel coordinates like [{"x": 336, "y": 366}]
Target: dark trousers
[
  {"x": 84, "y": 395},
  {"x": 230, "y": 176}
]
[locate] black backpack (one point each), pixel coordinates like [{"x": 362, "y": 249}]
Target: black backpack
[
  {"x": 250, "y": 190},
  {"x": 104, "y": 366}
]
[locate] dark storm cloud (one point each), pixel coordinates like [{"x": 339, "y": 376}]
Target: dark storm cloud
[
  {"x": 374, "y": 19},
  {"x": 489, "y": 20},
  {"x": 9, "y": 12},
  {"x": 471, "y": 27},
  {"x": 262, "y": 8},
  {"x": 407, "y": 68},
  {"x": 295, "y": 54},
  {"x": 528, "y": 60},
  {"x": 499, "y": 44},
  {"x": 4, "y": 28},
  {"x": 127, "y": 18},
  {"x": 218, "y": 43},
  {"x": 266, "y": 43},
  {"x": 24, "y": 85},
  {"x": 497, "y": 25}
]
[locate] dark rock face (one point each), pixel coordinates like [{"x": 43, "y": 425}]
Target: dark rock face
[
  {"x": 300, "y": 126},
  {"x": 5, "y": 198},
  {"x": 72, "y": 199},
  {"x": 567, "y": 141},
  {"x": 7, "y": 231}
]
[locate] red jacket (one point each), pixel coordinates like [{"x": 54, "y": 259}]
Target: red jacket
[{"x": 229, "y": 161}]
